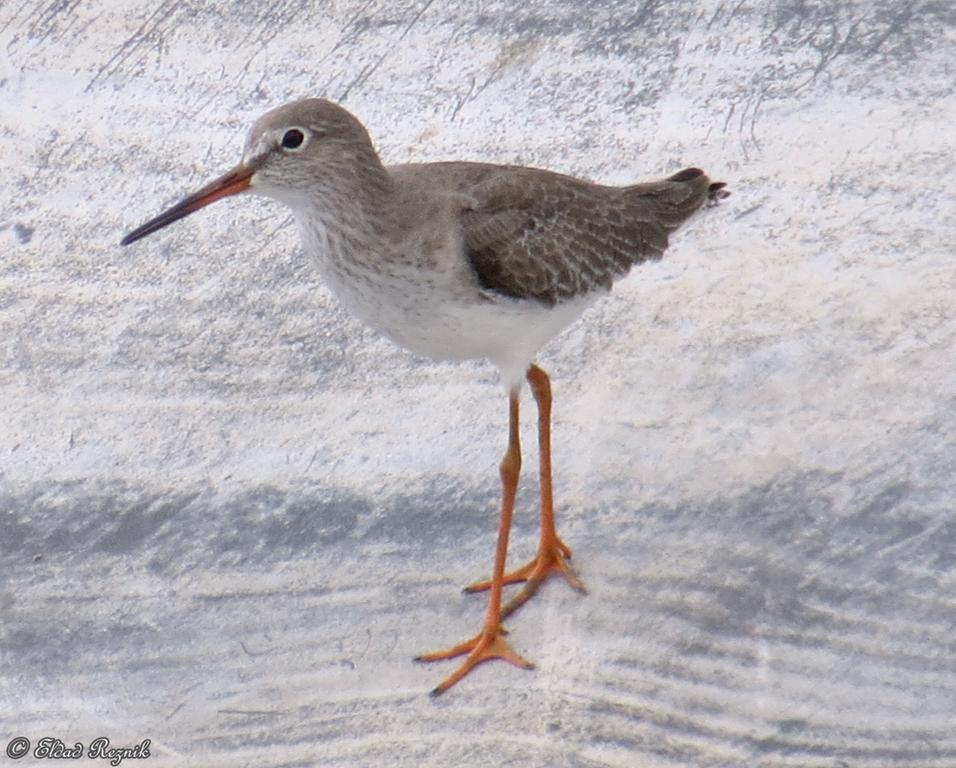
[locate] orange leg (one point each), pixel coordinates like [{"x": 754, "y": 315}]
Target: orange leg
[
  {"x": 553, "y": 554},
  {"x": 490, "y": 642}
]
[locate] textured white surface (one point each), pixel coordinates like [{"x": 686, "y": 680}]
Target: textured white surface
[{"x": 229, "y": 515}]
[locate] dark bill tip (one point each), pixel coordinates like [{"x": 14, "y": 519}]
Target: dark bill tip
[{"x": 232, "y": 183}]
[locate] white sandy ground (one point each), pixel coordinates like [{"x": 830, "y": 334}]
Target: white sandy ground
[{"x": 229, "y": 515}]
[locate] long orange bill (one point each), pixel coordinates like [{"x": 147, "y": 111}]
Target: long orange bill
[{"x": 232, "y": 183}]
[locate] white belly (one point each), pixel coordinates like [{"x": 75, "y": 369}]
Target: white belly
[{"x": 439, "y": 311}]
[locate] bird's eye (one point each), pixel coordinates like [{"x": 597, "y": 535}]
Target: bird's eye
[{"x": 292, "y": 139}]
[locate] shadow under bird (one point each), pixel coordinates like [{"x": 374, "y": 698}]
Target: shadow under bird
[{"x": 458, "y": 260}]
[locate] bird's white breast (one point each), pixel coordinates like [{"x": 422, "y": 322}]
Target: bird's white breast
[{"x": 433, "y": 305}]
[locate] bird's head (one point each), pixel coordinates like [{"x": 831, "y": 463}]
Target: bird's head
[{"x": 298, "y": 151}]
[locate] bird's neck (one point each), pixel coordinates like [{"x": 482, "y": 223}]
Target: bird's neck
[{"x": 352, "y": 197}]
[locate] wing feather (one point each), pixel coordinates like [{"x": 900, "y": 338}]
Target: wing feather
[{"x": 538, "y": 235}]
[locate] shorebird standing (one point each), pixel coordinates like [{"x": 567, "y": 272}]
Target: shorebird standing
[{"x": 458, "y": 261}]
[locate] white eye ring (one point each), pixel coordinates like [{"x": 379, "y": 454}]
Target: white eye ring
[{"x": 293, "y": 139}]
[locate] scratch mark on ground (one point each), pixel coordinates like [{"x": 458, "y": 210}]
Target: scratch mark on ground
[
  {"x": 897, "y": 24},
  {"x": 730, "y": 114},
  {"x": 57, "y": 19},
  {"x": 250, "y": 712},
  {"x": 350, "y": 31},
  {"x": 267, "y": 28},
  {"x": 15, "y": 15},
  {"x": 753, "y": 118},
  {"x": 644, "y": 13},
  {"x": 132, "y": 43},
  {"x": 282, "y": 225},
  {"x": 748, "y": 211},
  {"x": 474, "y": 92},
  {"x": 369, "y": 69}
]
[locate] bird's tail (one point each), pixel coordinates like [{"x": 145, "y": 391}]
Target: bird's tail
[
  {"x": 675, "y": 199},
  {"x": 716, "y": 190}
]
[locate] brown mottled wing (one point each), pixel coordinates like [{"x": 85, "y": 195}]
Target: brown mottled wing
[{"x": 537, "y": 235}]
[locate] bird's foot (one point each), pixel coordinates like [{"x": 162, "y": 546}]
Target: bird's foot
[
  {"x": 553, "y": 555},
  {"x": 487, "y": 644}
]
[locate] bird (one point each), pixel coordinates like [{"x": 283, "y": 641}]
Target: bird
[{"x": 459, "y": 261}]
